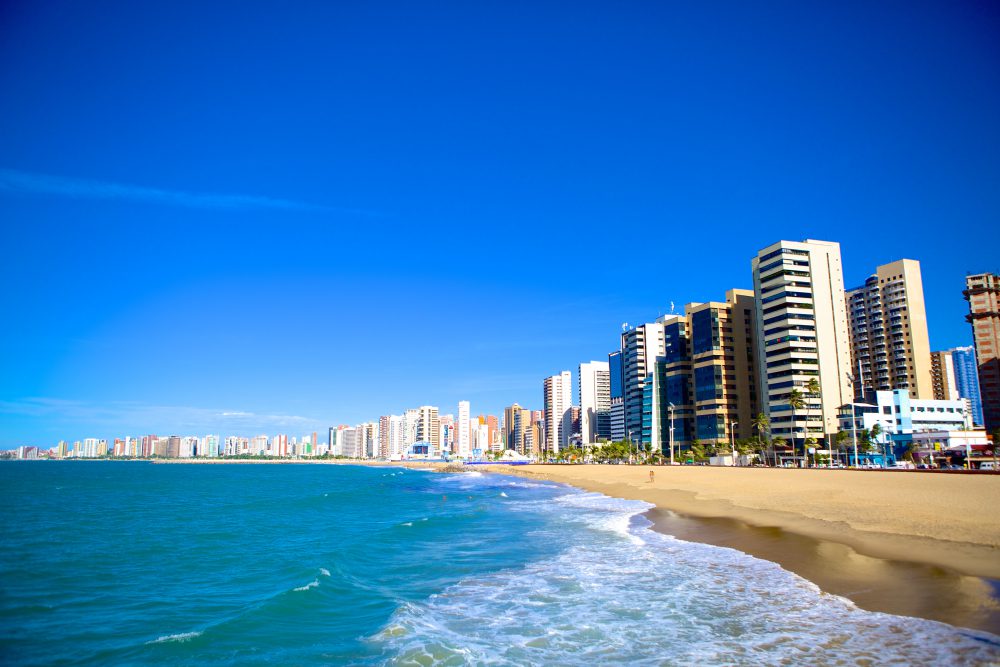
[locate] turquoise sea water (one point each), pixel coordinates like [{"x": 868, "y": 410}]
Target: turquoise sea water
[{"x": 135, "y": 563}]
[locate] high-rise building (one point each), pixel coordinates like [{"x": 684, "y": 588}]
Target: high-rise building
[
  {"x": 493, "y": 432},
  {"x": 888, "y": 324},
  {"x": 384, "y": 436},
  {"x": 429, "y": 427},
  {"x": 279, "y": 445},
  {"x": 534, "y": 434},
  {"x": 369, "y": 438},
  {"x": 513, "y": 428},
  {"x": 173, "y": 449},
  {"x": 943, "y": 376},
  {"x": 411, "y": 421},
  {"x": 983, "y": 294},
  {"x": 641, "y": 346},
  {"x": 705, "y": 384},
  {"x": 967, "y": 380},
  {"x": 462, "y": 438},
  {"x": 449, "y": 441},
  {"x": 616, "y": 420},
  {"x": 557, "y": 399},
  {"x": 595, "y": 401},
  {"x": 802, "y": 335}
]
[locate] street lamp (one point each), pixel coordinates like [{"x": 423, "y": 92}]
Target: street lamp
[
  {"x": 670, "y": 409},
  {"x": 732, "y": 439}
]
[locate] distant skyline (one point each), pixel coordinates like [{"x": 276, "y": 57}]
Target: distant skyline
[{"x": 232, "y": 219}]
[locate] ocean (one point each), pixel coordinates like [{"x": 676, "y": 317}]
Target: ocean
[{"x": 117, "y": 563}]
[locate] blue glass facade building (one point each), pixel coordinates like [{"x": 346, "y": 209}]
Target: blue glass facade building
[{"x": 967, "y": 380}]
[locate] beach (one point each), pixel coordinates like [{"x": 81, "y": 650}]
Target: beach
[{"x": 910, "y": 543}]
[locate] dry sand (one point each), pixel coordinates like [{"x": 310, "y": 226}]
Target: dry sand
[{"x": 914, "y": 543}]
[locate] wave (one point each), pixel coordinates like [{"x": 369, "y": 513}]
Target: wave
[
  {"x": 180, "y": 637},
  {"x": 325, "y": 572},
  {"x": 312, "y": 584},
  {"x": 621, "y": 592}
]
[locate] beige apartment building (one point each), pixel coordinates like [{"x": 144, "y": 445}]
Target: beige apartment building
[
  {"x": 983, "y": 294},
  {"x": 802, "y": 334},
  {"x": 890, "y": 346},
  {"x": 943, "y": 376}
]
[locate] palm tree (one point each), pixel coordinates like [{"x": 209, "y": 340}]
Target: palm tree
[
  {"x": 875, "y": 433},
  {"x": 813, "y": 391},
  {"x": 762, "y": 425},
  {"x": 796, "y": 402},
  {"x": 840, "y": 440}
]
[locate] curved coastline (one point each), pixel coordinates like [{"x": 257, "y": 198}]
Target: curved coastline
[{"x": 935, "y": 556}]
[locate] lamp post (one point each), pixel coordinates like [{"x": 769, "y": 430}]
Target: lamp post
[
  {"x": 670, "y": 409},
  {"x": 732, "y": 439},
  {"x": 854, "y": 432}
]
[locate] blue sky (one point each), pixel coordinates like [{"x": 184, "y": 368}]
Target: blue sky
[{"x": 266, "y": 217}]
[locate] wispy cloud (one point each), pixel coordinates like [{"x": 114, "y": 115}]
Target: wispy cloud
[
  {"x": 12, "y": 180},
  {"x": 117, "y": 416}
]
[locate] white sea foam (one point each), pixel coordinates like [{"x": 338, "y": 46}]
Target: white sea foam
[
  {"x": 503, "y": 495},
  {"x": 407, "y": 523},
  {"x": 325, "y": 572},
  {"x": 180, "y": 637},
  {"x": 312, "y": 584},
  {"x": 620, "y": 592}
]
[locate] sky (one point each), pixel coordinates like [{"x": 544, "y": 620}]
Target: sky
[{"x": 265, "y": 217}]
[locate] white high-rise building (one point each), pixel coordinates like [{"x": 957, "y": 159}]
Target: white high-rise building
[
  {"x": 397, "y": 437},
  {"x": 641, "y": 346},
  {"x": 411, "y": 420},
  {"x": 595, "y": 401},
  {"x": 557, "y": 399},
  {"x": 482, "y": 437},
  {"x": 802, "y": 335},
  {"x": 463, "y": 439}
]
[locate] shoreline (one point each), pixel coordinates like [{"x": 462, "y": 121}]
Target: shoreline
[
  {"x": 926, "y": 546},
  {"x": 898, "y": 571}
]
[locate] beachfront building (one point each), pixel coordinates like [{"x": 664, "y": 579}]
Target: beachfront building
[
  {"x": 983, "y": 294},
  {"x": 967, "y": 380},
  {"x": 943, "y": 376},
  {"x": 557, "y": 399},
  {"x": 802, "y": 335},
  {"x": 971, "y": 449},
  {"x": 429, "y": 426},
  {"x": 897, "y": 412},
  {"x": 704, "y": 384},
  {"x": 449, "y": 443},
  {"x": 901, "y": 418},
  {"x": 595, "y": 401},
  {"x": 463, "y": 436},
  {"x": 888, "y": 323},
  {"x": 616, "y": 412},
  {"x": 513, "y": 428},
  {"x": 640, "y": 347}
]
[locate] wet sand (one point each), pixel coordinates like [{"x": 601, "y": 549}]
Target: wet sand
[{"x": 932, "y": 550}]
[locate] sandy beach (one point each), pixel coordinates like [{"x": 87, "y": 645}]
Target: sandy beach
[{"x": 908, "y": 543}]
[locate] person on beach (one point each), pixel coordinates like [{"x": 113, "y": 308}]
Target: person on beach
[{"x": 650, "y": 476}]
